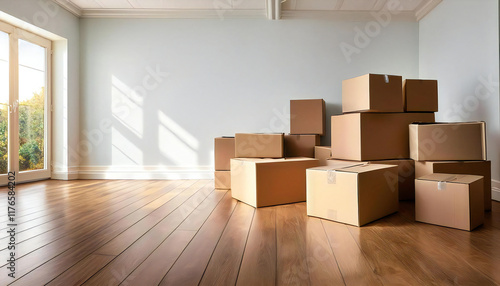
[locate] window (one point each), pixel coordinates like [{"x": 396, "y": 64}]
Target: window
[{"x": 24, "y": 104}]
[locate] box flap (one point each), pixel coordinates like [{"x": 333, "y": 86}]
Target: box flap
[
  {"x": 451, "y": 178},
  {"x": 351, "y": 167}
]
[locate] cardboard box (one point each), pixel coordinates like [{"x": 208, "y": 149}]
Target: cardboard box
[
  {"x": 351, "y": 194},
  {"x": 420, "y": 95},
  {"x": 300, "y": 145},
  {"x": 448, "y": 141},
  {"x": 450, "y": 200},
  {"x": 373, "y": 136},
  {"x": 479, "y": 168},
  {"x": 268, "y": 182},
  {"x": 222, "y": 180},
  {"x": 405, "y": 177},
  {"x": 252, "y": 145},
  {"x": 307, "y": 116},
  {"x": 322, "y": 153},
  {"x": 372, "y": 93},
  {"x": 223, "y": 153}
]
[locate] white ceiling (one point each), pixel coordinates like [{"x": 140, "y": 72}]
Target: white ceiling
[{"x": 411, "y": 9}]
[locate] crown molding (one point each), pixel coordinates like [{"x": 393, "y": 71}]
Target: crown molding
[
  {"x": 173, "y": 14},
  {"x": 427, "y": 7},
  {"x": 70, "y": 7}
]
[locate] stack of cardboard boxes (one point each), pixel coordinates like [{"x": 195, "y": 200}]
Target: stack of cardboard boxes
[{"x": 385, "y": 138}]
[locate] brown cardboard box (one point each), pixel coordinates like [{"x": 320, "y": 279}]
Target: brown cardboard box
[
  {"x": 307, "y": 116},
  {"x": 268, "y": 182},
  {"x": 223, "y": 152},
  {"x": 252, "y": 145},
  {"x": 300, "y": 145},
  {"x": 352, "y": 194},
  {"x": 373, "y": 136},
  {"x": 450, "y": 200},
  {"x": 405, "y": 177},
  {"x": 222, "y": 180},
  {"x": 322, "y": 153},
  {"x": 372, "y": 93},
  {"x": 448, "y": 141},
  {"x": 420, "y": 95},
  {"x": 479, "y": 168}
]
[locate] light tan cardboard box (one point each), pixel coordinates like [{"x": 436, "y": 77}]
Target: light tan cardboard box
[
  {"x": 420, "y": 95},
  {"x": 300, "y": 145},
  {"x": 405, "y": 177},
  {"x": 322, "y": 153},
  {"x": 450, "y": 200},
  {"x": 352, "y": 194},
  {"x": 478, "y": 168},
  {"x": 372, "y": 93},
  {"x": 268, "y": 182},
  {"x": 223, "y": 153},
  {"x": 255, "y": 145},
  {"x": 222, "y": 180},
  {"x": 307, "y": 116},
  {"x": 373, "y": 136},
  {"x": 448, "y": 141}
]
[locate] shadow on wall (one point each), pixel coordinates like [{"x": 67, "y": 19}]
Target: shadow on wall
[
  {"x": 331, "y": 109},
  {"x": 136, "y": 121}
]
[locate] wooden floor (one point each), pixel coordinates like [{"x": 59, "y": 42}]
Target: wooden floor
[{"x": 186, "y": 233}]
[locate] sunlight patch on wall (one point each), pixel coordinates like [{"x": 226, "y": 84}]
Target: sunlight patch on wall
[{"x": 176, "y": 143}]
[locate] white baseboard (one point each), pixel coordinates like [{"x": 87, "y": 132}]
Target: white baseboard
[
  {"x": 495, "y": 190},
  {"x": 145, "y": 172},
  {"x": 70, "y": 173}
]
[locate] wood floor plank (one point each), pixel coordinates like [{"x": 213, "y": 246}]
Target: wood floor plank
[
  {"x": 353, "y": 264},
  {"x": 258, "y": 266},
  {"x": 226, "y": 260},
  {"x": 188, "y": 271}
]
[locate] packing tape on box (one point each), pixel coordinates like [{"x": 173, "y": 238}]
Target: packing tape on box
[
  {"x": 441, "y": 185},
  {"x": 386, "y": 78},
  {"x": 331, "y": 176}
]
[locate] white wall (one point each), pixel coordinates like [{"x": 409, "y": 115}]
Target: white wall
[
  {"x": 224, "y": 76},
  {"x": 459, "y": 47},
  {"x": 48, "y": 16}
]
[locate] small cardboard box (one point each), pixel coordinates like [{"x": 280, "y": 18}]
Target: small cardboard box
[
  {"x": 373, "y": 136},
  {"x": 222, "y": 180},
  {"x": 268, "y": 182},
  {"x": 372, "y": 93},
  {"x": 300, "y": 145},
  {"x": 478, "y": 168},
  {"x": 450, "y": 200},
  {"x": 351, "y": 194},
  {"x": 254, "y": 145},
  {"x": 307, "y": 116},
  {"x": 223, "y": 153},
  {"x": 420, "y": 95},
  {"x": 322, "y": 153},
  {"x": 448, "y": 141},
  {"x": 405, "y": 177}
]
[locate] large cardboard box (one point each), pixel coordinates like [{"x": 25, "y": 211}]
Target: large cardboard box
[
  {"x": 405, "y": 177},
  {"x": 254, "y": 145},
  {"x": 351, "y": 194},
  {"x": 448, "y": 141},
  {"x": 307, "y": 116},
  {"x": 223, "y": 153},
  {"x": 222, "y": 180},
  {"x": 300, "y": 145},
  {"x": 268, "y": 182},
  {"x": 373, "y": 136},
  {"x": 372, "y": 93},
  {"x": 322, "y": 153},
  {"x": 450, "y": 200},
  {"x": 420, "y": 95},
  {"x": 479, "y": 168}
]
